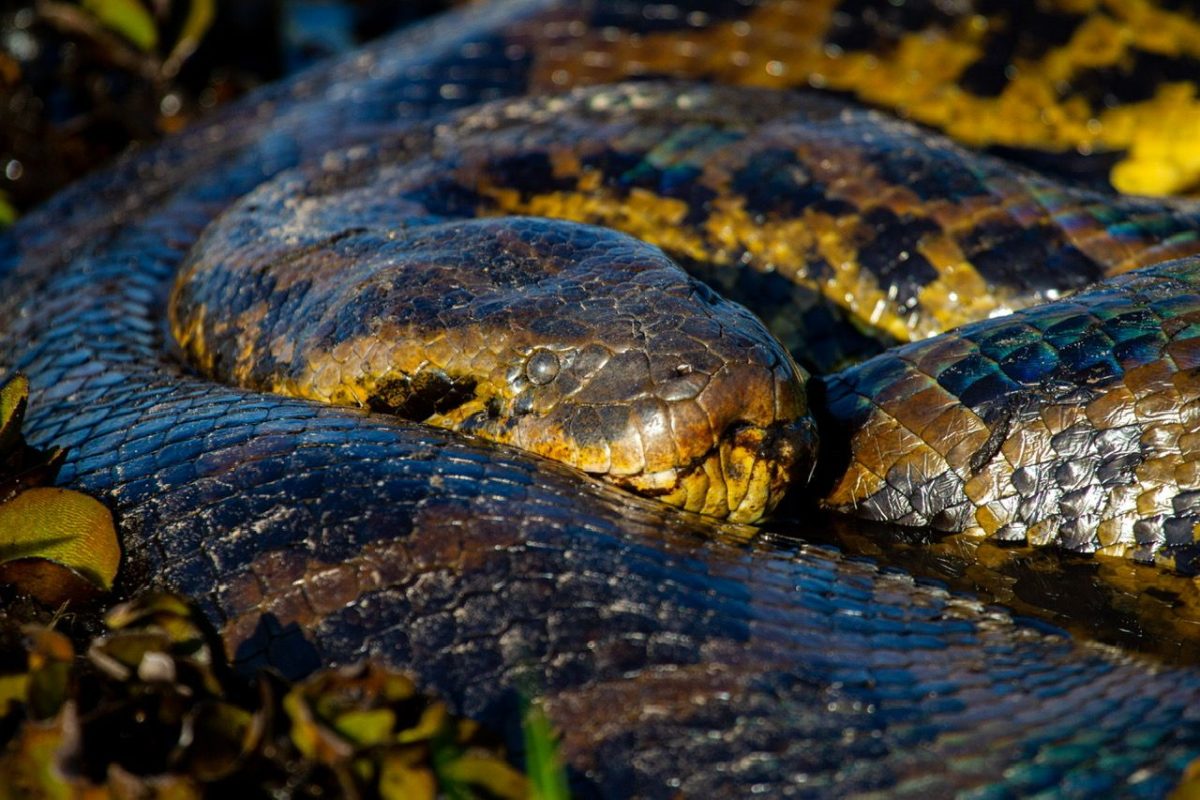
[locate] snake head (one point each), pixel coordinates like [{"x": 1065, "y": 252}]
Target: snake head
[
  {"x": 621, "y": 365},
  {"x": 671, "y": 392},
  {"x": 574, "y": 342}
]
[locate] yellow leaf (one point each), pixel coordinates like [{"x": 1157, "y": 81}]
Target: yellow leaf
[
  {"x": 366, "y": 728},
  {"x": 167, "y": 612},
  {"x": 433, "y": 721},
  {"x": 12, "y": 691},
  {"x": 30, "y": 763},
  {"x": 488, "y": 772},
  {"x": 129, "y": 18},
  {"x": 1189, "y": 784},
  {"x": 13, "y": 396},
  {"x": 401, "y": 781},
  {"x": 311, "y": 739},
  {"x": 50, "y": 659},
  {"x": 64, "y": 527},
  {"x": 221, "y": 741}
]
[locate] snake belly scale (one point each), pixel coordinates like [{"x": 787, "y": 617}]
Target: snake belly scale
[{"x": 676, "y": 654}]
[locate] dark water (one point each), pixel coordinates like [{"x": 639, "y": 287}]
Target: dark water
[{"x": 1137, "y": 607}]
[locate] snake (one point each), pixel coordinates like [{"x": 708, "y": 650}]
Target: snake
[{"x": 252, "y": 463}]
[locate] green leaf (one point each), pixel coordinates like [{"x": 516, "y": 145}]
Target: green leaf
[
  {"x": 63, "y": 527},
  {"x": 199, "y": 19},
  {"x": 543, "y": 765},
  {"x": 128, "y": 18},
  {"x": 8, "y": 212}
]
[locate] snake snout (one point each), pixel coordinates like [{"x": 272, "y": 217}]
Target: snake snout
[
  {"x": 722, "y": 430},
  {"x": 752, "y": 414},
  {"x": 759, "y": 464}
]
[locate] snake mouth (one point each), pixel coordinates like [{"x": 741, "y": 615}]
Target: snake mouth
[{"x": 742, "y": 477}]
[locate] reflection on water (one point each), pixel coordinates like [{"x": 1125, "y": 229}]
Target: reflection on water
[{"x": 1111, "y": 600}]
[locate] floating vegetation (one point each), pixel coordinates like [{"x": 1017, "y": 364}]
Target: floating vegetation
[
  {"x": 151, "y": 708},
  {"x": 55, "y": 544}
]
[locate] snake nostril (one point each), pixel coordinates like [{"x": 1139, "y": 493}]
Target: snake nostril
[
  {"x": 542, "y": 367},
  {"x": 522, "y": 405}
]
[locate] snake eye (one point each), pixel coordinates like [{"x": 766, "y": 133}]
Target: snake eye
[{"x": 542, "y": 367}]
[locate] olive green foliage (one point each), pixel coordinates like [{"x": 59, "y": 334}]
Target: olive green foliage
[
  {"x": 8, "y": 214},
  {"x": 150, "y": 708},
  {"x": 136, "y": 24},
  {"x": 127, "y": 17},
  {"x": 55, "y": 544},
  {"x": 547, "y": 778},
  {"x": 1189, "y": 784}
]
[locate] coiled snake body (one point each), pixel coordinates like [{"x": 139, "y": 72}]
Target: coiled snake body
[{"x": 674, "y": 655}]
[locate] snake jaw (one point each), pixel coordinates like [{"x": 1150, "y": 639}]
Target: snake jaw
[
  {"x": 729, "y": 448},
  {"x": 742, "y": 478},
  {"x": 759, "y": 464},
  {"x": 724, "y": 437}
]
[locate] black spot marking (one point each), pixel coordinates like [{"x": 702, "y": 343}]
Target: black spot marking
[
  {"x": 623, "y": 172},
  {"x": 775, "y": 181},
  {"x": 869, "y": 24},
  {"x": 1090, "y": 171},
  {"x": 530, "y": 173},
  {"x": 892, "y": 254},
  {"x": 644, "y": 17},
  {"x": 612, "y": 164},
  {"x": 1134, "y": 79},
  {"x": 1007, "y": 254},
  {"x": 429, "y": 392},
  {"x": 1022, "y": 31},
  {"x": 448, "y": 198},
  {"x": 283, "y": 647},
  {"x": 925, "y": 174},
  {"x": 818, "y": 333}
]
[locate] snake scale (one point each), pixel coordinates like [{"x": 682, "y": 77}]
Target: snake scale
[{"x": 677, "y": 655}]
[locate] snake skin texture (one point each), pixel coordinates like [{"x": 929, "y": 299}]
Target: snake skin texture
[
  {"x": 676, "y": 655},
  {"x": 1072, "y": 423},
  {"x": 570, "y": 341}
]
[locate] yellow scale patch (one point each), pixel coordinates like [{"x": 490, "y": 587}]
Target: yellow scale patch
[
  {"x": 959, "y": 295},
  {"x": 783, "y": 44}
]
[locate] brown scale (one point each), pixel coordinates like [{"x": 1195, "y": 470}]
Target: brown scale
[
  {"x": 1052, "y": 96},
  {"x": 1055, "y": 239},
  {"x": 478, "y": 372},
  {"x": 1086, "y": 442},
  {"x": 573, "y": 342}
]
